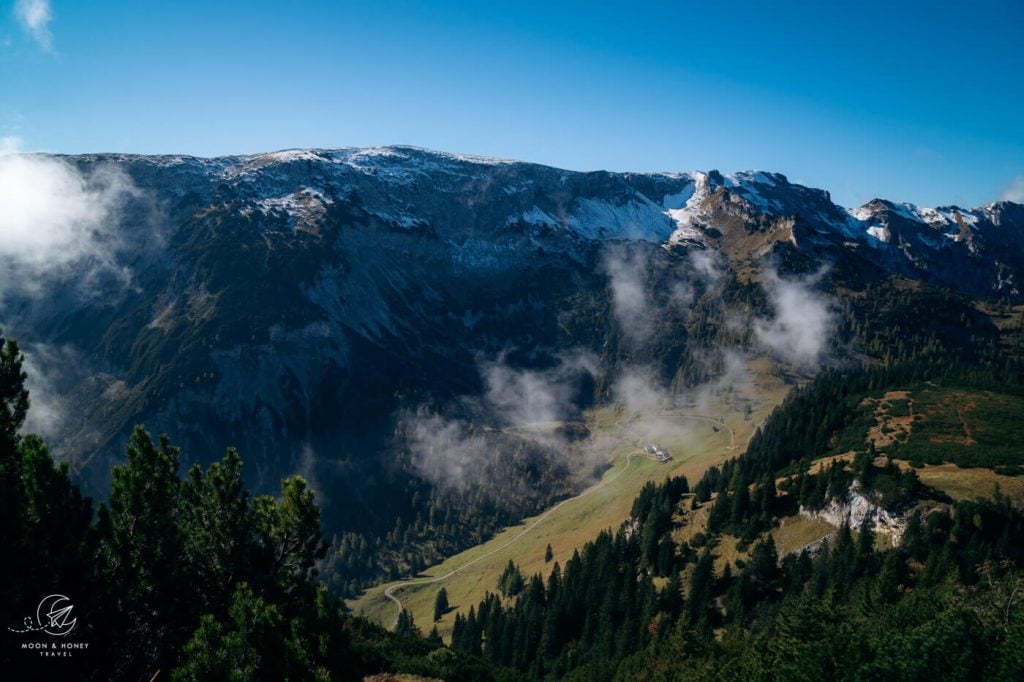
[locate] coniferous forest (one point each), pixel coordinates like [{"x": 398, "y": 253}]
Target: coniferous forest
[{"x": 944, "y": 602}]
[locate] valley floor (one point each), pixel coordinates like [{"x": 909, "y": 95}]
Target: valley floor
[{"x": 719, "y": 430}]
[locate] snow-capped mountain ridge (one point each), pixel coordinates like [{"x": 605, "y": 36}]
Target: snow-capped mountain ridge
[
  {"x": 472, "y": 203},
  {"x": 761, "y": 189},
  {"x": 625, "y": 216},
  {"x": 270, "y": 293}
]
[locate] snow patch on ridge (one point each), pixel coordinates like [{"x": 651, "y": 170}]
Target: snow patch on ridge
[
  {"x": 685, "y": 217},
  {"x": 402, "y": 164},
  {"x": 535, "y": 216},
  {"x": 298, "y": 202},
  {"x": 748, "y": 184},
  {"x": 863, "y": 213},
  {"x": 944, "y": 225},
  {"x": 305, "y": 208},
  {"x": 880, "y": 233},
  {"x": 401, "y": 219},
  {"x": 639, "y": 219},
  {"x": 679, "y": 199}
]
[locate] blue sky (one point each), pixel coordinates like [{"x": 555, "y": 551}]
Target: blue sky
[{"x": 913, "y": 101}]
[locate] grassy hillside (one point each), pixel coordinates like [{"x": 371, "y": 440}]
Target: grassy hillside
[
  {"x": 969, "y": 484},
  {"x": 700, "y": 441},
  {"x": 978, "y": 428},
  {"x": 963, "y": 441}
]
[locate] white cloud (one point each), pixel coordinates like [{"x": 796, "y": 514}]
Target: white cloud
[
  {"x": 803, "y": 319},
  {"x": 446, "y": 452},
  {"x": 307, "y": 469},
  {"x": 1014, "y": 191},
  {"x": 524, "y": 397},
  {"x": 627, "y": 274},
  {"x": 642, "y": 310},
  {"x": 525, "y": 405},
  {"x": 35, "y": 16},
  {"x": 639, "y": 391},
  {"x": 56, "y": 220},
  {"x": 52, "y": 370},
  {"x": 707, "y": 265},
  {"x": 654, "y": 410}
]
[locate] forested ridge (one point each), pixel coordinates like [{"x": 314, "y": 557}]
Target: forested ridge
[
  {"x": 944, "y": 603},
  {"x": 940, "y": 600}
]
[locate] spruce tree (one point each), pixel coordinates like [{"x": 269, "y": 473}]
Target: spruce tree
[
  {"x": 405, "y": 627},
  {"x": 141, "y": 549},
  {"x": 440, "y": 604},
  {"x": 511, "y": 583}
]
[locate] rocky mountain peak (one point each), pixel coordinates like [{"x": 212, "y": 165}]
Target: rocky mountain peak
[{"x": 252, "y": 299}]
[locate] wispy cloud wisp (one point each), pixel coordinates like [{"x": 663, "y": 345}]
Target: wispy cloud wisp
[
  {"x": 1014, "y": 191},
  {"x": 34, "y": 17}
]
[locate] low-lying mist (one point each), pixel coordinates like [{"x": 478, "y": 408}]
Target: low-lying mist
[{"x": 454, "y": 447}]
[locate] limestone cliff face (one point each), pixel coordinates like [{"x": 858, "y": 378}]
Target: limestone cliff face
[{"x": 855, "y": 508}]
